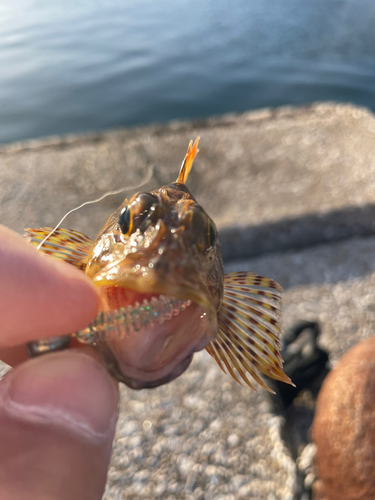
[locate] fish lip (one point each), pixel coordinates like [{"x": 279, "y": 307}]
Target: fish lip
[
  {"x": 145, "y": 277},
  {"x": 130, "y": 363},
  {"x": 137, "y": 385}
]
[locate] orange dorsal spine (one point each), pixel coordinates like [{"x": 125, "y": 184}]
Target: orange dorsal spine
[{"x": 188, "y": 162}]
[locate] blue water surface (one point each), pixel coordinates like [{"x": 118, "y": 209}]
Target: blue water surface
[{"x": 73, "y": 66}]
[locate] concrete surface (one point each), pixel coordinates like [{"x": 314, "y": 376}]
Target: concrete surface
[
  {"x": 273, "y": 179},
  {"x": 297, "y": 183}
]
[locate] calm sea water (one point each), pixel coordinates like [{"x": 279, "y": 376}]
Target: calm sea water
[{"x": 72, "y": 66}]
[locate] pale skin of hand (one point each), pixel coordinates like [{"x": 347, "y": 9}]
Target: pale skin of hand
[{"x": 57, "y": 412}]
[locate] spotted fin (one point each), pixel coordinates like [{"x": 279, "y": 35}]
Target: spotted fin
[
  {"x": 64, "y": 244},
  {"x": 248, "y": 338}
]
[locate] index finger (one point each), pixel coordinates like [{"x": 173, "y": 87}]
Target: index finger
[{"x": 40, "y": 297}]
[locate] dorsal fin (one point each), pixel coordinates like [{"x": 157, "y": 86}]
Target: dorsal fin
[{"x": 188, "y": 162}]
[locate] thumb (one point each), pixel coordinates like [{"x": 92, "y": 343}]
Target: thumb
[{"x": 57, "y": 421}]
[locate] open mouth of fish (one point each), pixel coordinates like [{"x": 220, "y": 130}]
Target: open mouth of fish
[{"x": 148, "y": 338}]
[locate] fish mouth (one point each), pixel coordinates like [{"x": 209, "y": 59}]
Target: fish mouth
[
  {"x": 147, "y": 338},
  {"x": 156, "y": 312},
  {"x": 172, "y": 375}
]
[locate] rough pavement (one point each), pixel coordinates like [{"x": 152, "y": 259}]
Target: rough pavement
[{"x": 297, "y": 183}]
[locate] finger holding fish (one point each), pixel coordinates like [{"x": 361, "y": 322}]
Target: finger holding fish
[
  {"x": 58, "y": 412},
  {"x": 39, "y": 295}
]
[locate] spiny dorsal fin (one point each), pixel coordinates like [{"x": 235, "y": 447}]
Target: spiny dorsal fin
[
  {"x": 188, "y": 162},
  {"x": 64, "y": 244},
  {"x": 248, "y": 338}
]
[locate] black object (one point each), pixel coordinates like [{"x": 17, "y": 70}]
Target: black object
[
  {"x": 124, "y": 220},
  {"x": 304, "y": 362}
]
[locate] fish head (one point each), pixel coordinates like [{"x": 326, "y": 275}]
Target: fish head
[{"x": 158, "y": 261}]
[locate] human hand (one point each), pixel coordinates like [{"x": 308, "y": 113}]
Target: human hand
[{"x": 57, "y": 412}]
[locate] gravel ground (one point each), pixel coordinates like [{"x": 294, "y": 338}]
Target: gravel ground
[
  {"x": 296, "y": 183},
  {"x": 202, "y": 437}
]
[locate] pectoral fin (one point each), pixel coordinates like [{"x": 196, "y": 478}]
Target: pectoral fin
[
  {"x": 64, "y": 244},
  {"x": 248, "y": 339}
]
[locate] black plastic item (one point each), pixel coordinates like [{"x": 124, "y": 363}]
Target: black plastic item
[{"x": 304, "y": 362}]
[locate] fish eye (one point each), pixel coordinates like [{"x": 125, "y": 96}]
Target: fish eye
[
  {"x": 143, "y": 204},
  {"x": 144, "y": 210},
  {"x": 125, "y": 220},
  {"x": 204, "y": 229}
]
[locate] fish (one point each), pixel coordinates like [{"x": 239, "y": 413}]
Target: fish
[{"x": 164, "y": 296}]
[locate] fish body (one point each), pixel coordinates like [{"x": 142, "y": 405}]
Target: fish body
[{"x": 158, "y": 266}]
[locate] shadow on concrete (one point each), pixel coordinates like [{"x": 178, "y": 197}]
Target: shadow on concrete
[
  {"x": 315, "y": 249},
  {"x": 297, "y": 233}
]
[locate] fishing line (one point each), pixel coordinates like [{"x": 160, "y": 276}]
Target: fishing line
[{"x": 91, "y": 202}]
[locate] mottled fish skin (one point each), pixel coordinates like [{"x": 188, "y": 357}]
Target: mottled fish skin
[{"x": 158, "y": 265}]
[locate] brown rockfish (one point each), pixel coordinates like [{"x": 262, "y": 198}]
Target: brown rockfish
[{"x": 158, "y": 266}]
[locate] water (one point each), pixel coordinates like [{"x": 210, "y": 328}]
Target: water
[{"x": 79, "y": 66}]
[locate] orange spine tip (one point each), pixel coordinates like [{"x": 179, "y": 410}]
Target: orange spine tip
[{"x": 188, "y": 161}]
